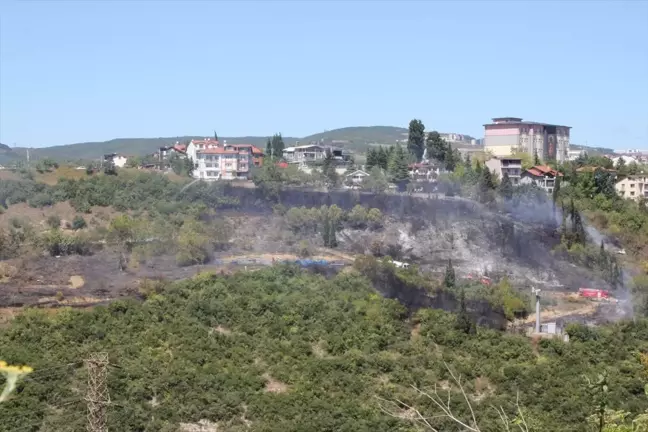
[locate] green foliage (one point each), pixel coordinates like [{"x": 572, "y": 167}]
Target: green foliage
[
  {"x": 436, "y": 146},
  {"x": 416, "y": 138},
  {"x": 58, "y": 243},
  {"x": 54, "y": 221},
  {"x": 449, "y": 279},
  {"x": 78, "y": 223},
  {"x": 506, "y": 187},
  {"x": 205, "y": 349},
  {"x": 376, "y": 182},
  {"x": 398, "y": 167}
]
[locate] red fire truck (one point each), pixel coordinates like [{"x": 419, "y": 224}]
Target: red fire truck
[{"x": 594, "y": 294}]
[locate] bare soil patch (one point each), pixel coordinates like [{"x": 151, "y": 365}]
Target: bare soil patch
[{"x": 273, "y": 385}]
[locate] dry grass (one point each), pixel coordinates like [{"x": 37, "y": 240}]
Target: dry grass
[
  {"x": 76, "y": 281},
  {"x": 52, "y": 178}
]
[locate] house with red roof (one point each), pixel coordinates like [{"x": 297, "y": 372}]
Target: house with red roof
[
  {"x": 542, "y": 176},
  {"x": 215, "y": 161}
]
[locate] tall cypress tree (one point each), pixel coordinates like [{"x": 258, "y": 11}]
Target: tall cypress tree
[
  {"x": 449, "y": 279},
  {"x": 416, "y": 138}
]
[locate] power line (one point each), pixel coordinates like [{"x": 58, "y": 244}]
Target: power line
[{"x": 97, "y": 397}]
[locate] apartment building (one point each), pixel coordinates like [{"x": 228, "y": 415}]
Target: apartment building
[
  {"x": 215, "y": 162},
  {"x": 633, "y": 187},
  {"x": 507, "y": 135},
  {"x": 509, "y": 165},
  {"x": 542, "y": 176}
]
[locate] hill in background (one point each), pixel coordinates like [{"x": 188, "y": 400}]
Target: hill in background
[{"x": 358, "y": 139}]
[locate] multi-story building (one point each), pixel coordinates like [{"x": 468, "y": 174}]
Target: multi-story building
[
  {"x": 509, "y": 165},
  {"x": 314, "y": 153},
  {"x": 257, "y": 153},
  {"x": 542, "y": 176},
  {"x": 214, "y": 162},
  {"x": 507, "y": 135},
  {"x": 633, "y": 187}
]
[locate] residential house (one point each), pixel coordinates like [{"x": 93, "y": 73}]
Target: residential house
[
  {"x": 633, "y": 187},
  {"x": 165, "y": 151},
  {"x": 424, "y": 171},
  {"x": 115, "y": 159},
  {"x": 542, "y": 176},
  {"x": 214, "y": 162},
  {"x": 313, "y": 153},
  {"x": 356, "y": 177},
  {"x": 505, "y": 164},
  {"x": 257, "y": 153}
]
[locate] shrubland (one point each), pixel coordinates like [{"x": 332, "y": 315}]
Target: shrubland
[{"x": 284, "y": 350}]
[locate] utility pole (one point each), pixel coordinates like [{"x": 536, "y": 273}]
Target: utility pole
[
  {"x": 97, "y": 396},
  {"x": 537, "y": 294}
]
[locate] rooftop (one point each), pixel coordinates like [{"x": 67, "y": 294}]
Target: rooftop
[
  {"x": 542, "y": 170},
  {"x": 519, "y": 121}
]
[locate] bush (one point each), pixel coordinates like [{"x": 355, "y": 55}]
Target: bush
[
  {"x": 78, "y": 223},
  {"x": 57, "y": 243},
  {"x": 54, "y": 221}
]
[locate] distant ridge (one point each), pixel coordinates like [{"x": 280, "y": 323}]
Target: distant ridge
[{"x": 356, "y": 138}]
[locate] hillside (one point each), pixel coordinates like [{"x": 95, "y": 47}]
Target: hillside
[{"x": 360, "y": 137}]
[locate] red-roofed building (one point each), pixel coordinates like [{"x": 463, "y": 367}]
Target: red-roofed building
[
  {"x": 257, "y": 153},
  {"x": 542, "y": 176},
  {"x": 213, "y": 161}
]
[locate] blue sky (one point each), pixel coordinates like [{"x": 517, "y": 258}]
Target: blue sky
[{"x": 94, "y": 70}]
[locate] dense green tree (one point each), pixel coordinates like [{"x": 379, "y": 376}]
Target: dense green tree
[
  {"x": 506, "y": 187},
  {"x": 450, "y": 158},
  {"x": 398, "y": 168},
  {"x": 536, "y": 158},
  {"x": 328, "y": 168},
  {"x": 436, "y": 146},
  {"x": 416, "y": 138},
  {"x": 449, "y": 280},
  {"x": 464, "y": 323},
  {"x": 277, "y": 145},
  {"x": 269, "y": 151}
]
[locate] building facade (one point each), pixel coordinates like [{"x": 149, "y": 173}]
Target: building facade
[
  {"x": 215, "y": 162},
  {"x": 507, "y": 135},
  {"x": 633, "y": 187},
  {"x": 542, "y": 176},
  {"x": 509, "y": 165}
]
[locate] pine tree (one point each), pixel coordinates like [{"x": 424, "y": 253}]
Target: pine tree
[
  {"x": 416, "y": 138},
  {"x": 536, "y": 159},
  {"x": 372, "y": 159},
  {"x": 328, "y": 168},
  {"x": 506, "y": 187},
  {"x": 384, "y": 156},
  {"x": 556, "y": 190},
  {"x": 436, "y": 146},
  {"x": 398, "y": 169},
  {"x": 215, "y": 136},
  {"x": 277, "y": 145},
  {"x": 269, "y": 152},
  {"x": 449, "y": 158},
  {"x": 449, "y": 279},
  {"x": 485, "y": 185}
]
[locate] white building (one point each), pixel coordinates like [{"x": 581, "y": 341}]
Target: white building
[
  {"x": 626, "y": 159},
  {"x": 305, "y": 153},
  {"x": 213, "y": 162},
  {"x": 633, "y": 187}
]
